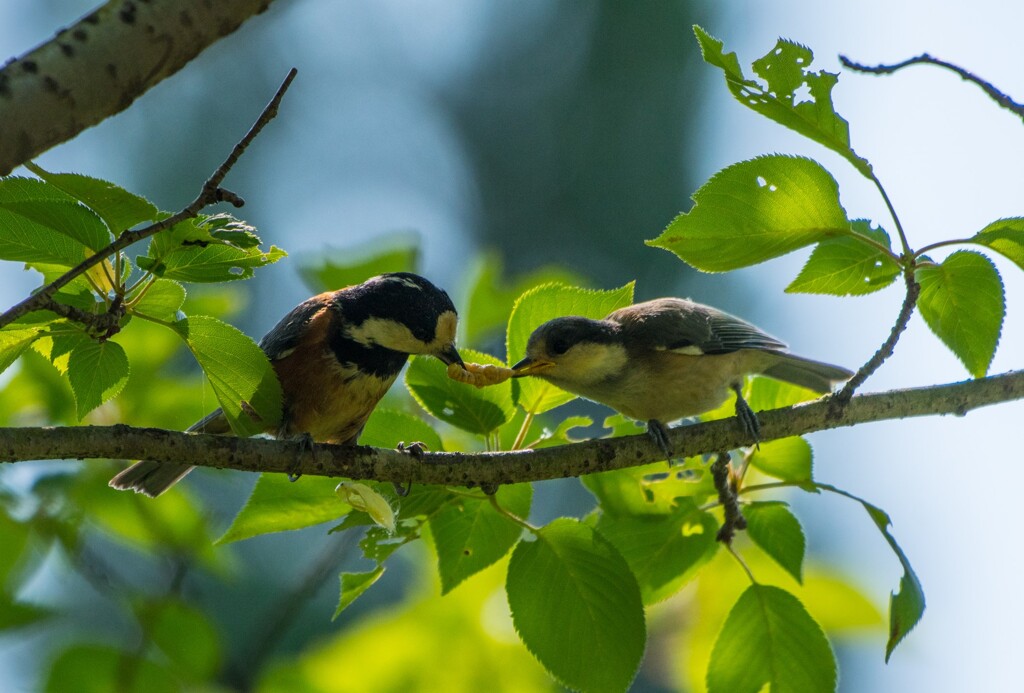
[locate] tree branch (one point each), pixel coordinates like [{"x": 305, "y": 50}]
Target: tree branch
[
  {"x": 210, "y": 193},
  {"x": 456, "y": 468},
  {"x": 100, "y": 65}
]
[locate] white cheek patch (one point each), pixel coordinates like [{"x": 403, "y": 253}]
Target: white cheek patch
[
  {"x": 444, "y": 333},
  {"x": 385, "y": 333}
]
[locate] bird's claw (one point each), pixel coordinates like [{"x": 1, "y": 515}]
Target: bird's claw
[
  {"x": 659, "y": 434},
  {"x": 747, "y": 418},
  {"x": 415, "y": 449},
  {"x": 306, "y": 445}
]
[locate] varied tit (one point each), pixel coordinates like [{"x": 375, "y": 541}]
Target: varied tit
[
  {"x": 336, "y": 355},
  {"x": 665, "y": 360}
]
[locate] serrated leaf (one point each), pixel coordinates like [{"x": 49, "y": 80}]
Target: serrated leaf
[
  {"x": 97, "y": 371},
  {"x": 278, "y": 505},
  {"x": 769, "y": 639},
  {"x": 24, "y": 240},
  {"x": 790, "y": 94},
  {"x": 20, "y": 189},
  {"x": 470, "y": 534},
  {"x": 560, "y": 434},
  {"x": 962, "y": 302},
  {"x": 775, "y": 529},
  {"x": 789, "y": 459},
  {"x": 650, "y": 489},
  {"x": 353, "y": 585},
  {"x": 663, "y": 551},
  {"x": 754, "y": 211},
  {"x": 241, "y": 375},
  {"x": 333, "y": 269},
  {"x": 543, "y": 303},
  {"x": 211, "y": 264},
  {"x": 67, "y": 218},
  {"x": 117, "y": 207},
  {"x": 13, "y": 343},
  {"x": 477, "y": 410},
  {"x": 847, "y": 266},
  {"x": 386, "y": 428},
  {"x": 1005, "y": 236},
  {"x": 161, "y": 300},
  {"x": 379, "y": 543},
  {"x": 577, "y": 607},
  {"x": 186, "y": 636}
]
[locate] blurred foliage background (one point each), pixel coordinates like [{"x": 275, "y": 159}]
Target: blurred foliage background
[{"x": 486, "y": 143}]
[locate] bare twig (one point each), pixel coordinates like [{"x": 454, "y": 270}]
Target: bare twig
[
  {"x": 210, "y": 193},
  {"x": 925, "y": 59},
  {"x": 458, "y": 468}
]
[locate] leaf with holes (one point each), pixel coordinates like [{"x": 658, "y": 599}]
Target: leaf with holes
[
  {"x": 477, "y": 410},
  {"x": 470, "y": 534},
  {"x": 97, "y": 371},
  {"x": 847, "y": 266},
  {"x": 962, "y": 301},
  {"x": 791, "y": 94},
  {"x": 775, "y": 529},
  {"x": 577, "y": 606},
  {"x": 754, "y": 211},
  {"x": 212, "y": 263},
  {"x": 543, "y": 303}
]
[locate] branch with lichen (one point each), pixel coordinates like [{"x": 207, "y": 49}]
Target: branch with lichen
[{"x": 490, "y": 468}]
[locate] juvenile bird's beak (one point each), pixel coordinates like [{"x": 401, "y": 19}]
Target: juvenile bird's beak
[
  {"x": 528, "y": 366},
  {"x": 449, "y": 355}
]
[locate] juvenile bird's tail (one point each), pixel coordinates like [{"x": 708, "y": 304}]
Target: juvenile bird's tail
[
  {"x": 815, "y": 375},
  {"x": 153, "y": 478}
]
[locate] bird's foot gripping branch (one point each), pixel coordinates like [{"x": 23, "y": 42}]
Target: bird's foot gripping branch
[{"x": 579, "y": 589}]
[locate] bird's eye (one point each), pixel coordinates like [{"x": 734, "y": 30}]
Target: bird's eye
[{"x": 558, "y": 346}]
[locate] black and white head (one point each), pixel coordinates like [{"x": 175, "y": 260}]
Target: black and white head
[
  {"x": 403, "y": 312},
  {"x": 574, "y": 350}
]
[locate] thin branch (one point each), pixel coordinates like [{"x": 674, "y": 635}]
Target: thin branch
[
  {"x": 210, "y": 193},
  {"x": 842, "y": 397},
  {"x": 924, "y": 59},
  {"x": 465, "y": 469}
]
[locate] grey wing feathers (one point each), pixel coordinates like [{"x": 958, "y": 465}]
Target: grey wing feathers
[{"x": 676, "y": 324}]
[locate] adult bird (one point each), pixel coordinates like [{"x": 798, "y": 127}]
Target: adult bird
[
  {"x": 335, "y": 354},
  {"x": 666, "y": 359}
]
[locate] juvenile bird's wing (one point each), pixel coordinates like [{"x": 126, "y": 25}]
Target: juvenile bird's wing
[{"x": 675, "y": 324}]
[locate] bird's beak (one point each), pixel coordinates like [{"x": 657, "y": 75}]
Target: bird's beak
[
  {"x": 529, "y": 366},
  {"x": 449, "y": 355}
]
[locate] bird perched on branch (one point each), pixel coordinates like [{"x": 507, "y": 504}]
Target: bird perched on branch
[
  {"x": 336, "y": 354},
  {"x": 664, "y": 360}
]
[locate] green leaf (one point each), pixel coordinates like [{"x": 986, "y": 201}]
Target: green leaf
[
  {"x": 117, "y": 207},
  {"x": 543, "y": 303},
  {"x": 212, "y": 263},
  {"x": 13, "y": 343},
  {"x": 24, "y": 240},
  {"x": 386, "y": 428},
  {"x": 769, "y": 639},
  {"x": 1005, "y": 236},
  {"x": 68, "y": 218},
  {"x": 470, "y": 534},
  {"x": 353, "y": 585},
  {"x": 490, "y": 296},
  {"x": 21, "y": 189},
  {"x": 789, "y": 459},
  {"x": 241, "y": 375},
  {"x": 100, "y": 669},
  {"x": 161, "y": 300},
  {"x": 186, "y": 636},
  {"x": 16, "y": 536},
  {"x": 791, "y": 94},
  {"x": 278, "y": 505},
  {"x": 19, "y": 615},
  {"x": 754, "y": 211},
  {"x": 663, "y": 551},
  {"x": 962, "y": 302},
  {"x": 560, "y": 435},
  {"x": 847, "y": 266},
  {"x": 379, "y": 543},
  {"x": 333, "y": 269},
  {"x": 577, "y": 607},
  {"x": 97, "y": 371},
  {"x": 775, "y": 529},
  {"x": 477, "y": 410}
]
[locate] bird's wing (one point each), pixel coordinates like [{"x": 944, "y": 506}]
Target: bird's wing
[
  {"x": 675, "y": 324},
  {"x": 282, "y": 340}
]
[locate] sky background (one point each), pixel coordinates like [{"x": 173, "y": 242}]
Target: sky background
[{"x": 383, "y": 132}]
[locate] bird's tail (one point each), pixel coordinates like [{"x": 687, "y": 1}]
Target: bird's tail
[
  {"x": 815, "y": 375},
  {"x": 153, "y": 478}
]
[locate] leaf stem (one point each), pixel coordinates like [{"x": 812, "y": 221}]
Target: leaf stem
[
  {"x": 523, "y": 430},
  {"x": 941, "y": 244},
  {"x": 907, "y": 252},
  {"x": 514, "y": 518},
  {"x": 743, "y": 564}
]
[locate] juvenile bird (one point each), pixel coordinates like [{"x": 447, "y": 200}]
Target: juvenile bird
[
  {"x": 336, "y": 354},
  {"x": 664, "y": 360}
]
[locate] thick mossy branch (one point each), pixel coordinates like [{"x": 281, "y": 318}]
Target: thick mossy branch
[
  {"x": 100, "y": 65},
  {"x": 262, "y": 455}
]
